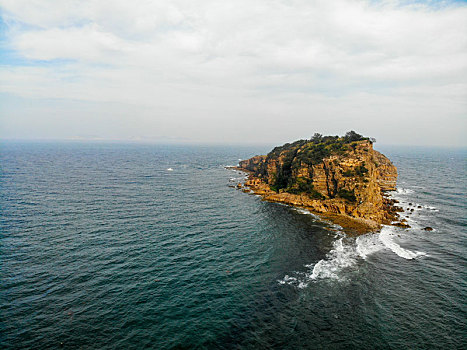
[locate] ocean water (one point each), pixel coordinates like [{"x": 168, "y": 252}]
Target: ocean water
[{"x": 124, "y": 246}]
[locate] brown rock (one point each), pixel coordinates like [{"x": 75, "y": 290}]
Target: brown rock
[{"x": 328, "y": 178}]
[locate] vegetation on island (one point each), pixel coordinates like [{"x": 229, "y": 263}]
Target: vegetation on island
[{"x": 291, "y": 157}]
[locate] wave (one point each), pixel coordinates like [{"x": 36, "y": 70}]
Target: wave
[
  {"x": 409, "y": 204},
  {"x": 404, "y": 191},
  {"x": 287, "y": 279},
  {"x": 346, "y": 253},
  {"x": 339, "y": 258},
  {"x": 302, "y": 211},
  {"x": 386, "y": 235},
  {"x": 431, "y": 207},
  {"x": 367, "y": 245}
]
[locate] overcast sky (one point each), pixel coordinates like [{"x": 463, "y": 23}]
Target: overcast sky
[{"x": 254, "y": 71}]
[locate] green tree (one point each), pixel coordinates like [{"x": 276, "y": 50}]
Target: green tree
[
  {"x": 352, "y": 136},
  {"x": 317, "y": 137}
]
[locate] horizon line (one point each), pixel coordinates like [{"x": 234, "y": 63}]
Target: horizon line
[{"x": 192, "y": 142}]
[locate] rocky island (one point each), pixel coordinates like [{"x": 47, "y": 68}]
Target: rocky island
[{"x": 341, "y": 178}]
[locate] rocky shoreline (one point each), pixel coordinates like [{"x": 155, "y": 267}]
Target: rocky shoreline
[
  {"x": 352, "y": 225},
  {"x": 350, "y": 188}
]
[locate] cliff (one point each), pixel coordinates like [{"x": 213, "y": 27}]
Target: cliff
[{"x": 343, "y": 178}]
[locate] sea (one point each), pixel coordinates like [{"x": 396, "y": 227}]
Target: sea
[{"x": 132, "y": 246}]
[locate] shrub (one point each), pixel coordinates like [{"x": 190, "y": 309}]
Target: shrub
[
  {"x": 317, "y": 137},
  {"x": 353, "y": 136},
  {"x": 361, "y": 170},
  {"x": 305, "y": 186},
  {"x": 347, "y": 195}
]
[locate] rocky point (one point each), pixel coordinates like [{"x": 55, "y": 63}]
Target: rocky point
[{"x": 342, "y": 178}]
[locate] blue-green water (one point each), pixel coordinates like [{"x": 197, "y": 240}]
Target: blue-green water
[{"x": 102, "y": 247}]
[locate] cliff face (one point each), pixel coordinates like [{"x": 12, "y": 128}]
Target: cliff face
[{"x": 330, "y": 175}]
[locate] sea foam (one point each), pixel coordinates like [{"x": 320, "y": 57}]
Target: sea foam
[
  {"x": 386, "y": 236},
  {"x": 404, "y": 191},
  {"x": 366, "y": 245},
  {"x": 340, "y": 257},
  {"x": 346, "y": 253}
]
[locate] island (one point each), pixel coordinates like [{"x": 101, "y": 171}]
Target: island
[{"x": 342, "y": 179}]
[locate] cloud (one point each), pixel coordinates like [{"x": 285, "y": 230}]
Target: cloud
[{"x": 264, "y": 63}]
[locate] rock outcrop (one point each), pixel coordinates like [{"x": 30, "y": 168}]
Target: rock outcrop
[{"x": 337, "y": 176}]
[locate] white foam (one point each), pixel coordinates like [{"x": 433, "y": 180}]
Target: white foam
[
  {"x": 236, "y": 179},
  {"x": 340, "y": 257},
  {"x": 413, "y": 212},
  {"x": 170, "y": 169},
  {"x": 430, "y": 207},
  {"x": 386, "y": 235},
  {"x": 346, "y": 253},
  {"x": 232, "y": 168},
  {"x": 288, "y": 280},
  {"x": 404, "y": 191},
  {"x": 302, "y": 211},
  {"x": 368, "y": 244}
]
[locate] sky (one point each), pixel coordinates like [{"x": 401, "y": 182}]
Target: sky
[{"x": 242, "y": 71}]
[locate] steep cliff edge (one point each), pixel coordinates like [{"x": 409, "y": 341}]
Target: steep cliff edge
[{"x": 341, "y": 177}]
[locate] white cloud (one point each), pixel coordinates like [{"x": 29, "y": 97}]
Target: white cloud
[{"x": 190, "y": 63}]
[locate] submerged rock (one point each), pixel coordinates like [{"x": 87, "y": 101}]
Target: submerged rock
[{"x": 401, "y": 224}]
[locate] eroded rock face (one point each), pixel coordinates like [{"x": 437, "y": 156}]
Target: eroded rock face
[
  {"x": 252, "y": 163},
  {"x": 350, "y": 181}
]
